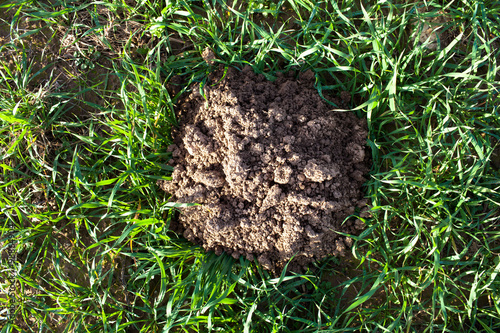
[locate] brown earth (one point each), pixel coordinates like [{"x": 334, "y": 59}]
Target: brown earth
[{"x": 276, "y": 173}]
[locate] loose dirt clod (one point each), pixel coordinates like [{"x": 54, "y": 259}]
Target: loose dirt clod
[{"x": 275, "y": 172}]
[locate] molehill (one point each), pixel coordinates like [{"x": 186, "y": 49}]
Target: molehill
[{"x": 275, "y": 171}]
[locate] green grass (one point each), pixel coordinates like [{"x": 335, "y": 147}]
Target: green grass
[{"x": 91, "y": 228}]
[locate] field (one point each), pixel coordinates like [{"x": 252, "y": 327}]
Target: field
[{"x": 88, "y": 91}]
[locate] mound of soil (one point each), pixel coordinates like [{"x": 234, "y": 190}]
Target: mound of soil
[{"x": 276, "y": 173}]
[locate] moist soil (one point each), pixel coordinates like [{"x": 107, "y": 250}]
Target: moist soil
[{"x": 275, "y": 172}]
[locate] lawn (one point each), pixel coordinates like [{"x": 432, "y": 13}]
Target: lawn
[{"x": 88, "y": 91}]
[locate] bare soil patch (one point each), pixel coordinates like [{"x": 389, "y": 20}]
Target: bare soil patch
[{"x": 275, "y": 171}]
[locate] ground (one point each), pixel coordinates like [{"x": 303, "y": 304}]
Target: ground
[
  {"x": 90, "y": 94},
  {"x": 275, "y": 171}
]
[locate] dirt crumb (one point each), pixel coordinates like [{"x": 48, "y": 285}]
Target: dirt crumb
[
  {"x": 275, "y": 171},
  {"x": 208, "y": 55}
]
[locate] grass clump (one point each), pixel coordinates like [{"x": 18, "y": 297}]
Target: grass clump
[{"x": 84, "y": 135}]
